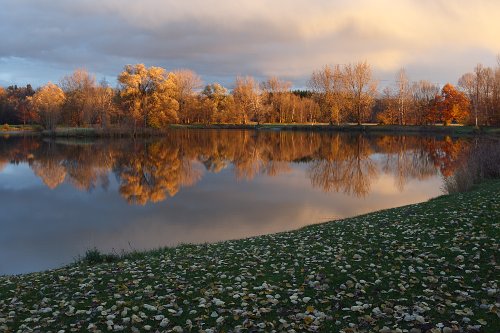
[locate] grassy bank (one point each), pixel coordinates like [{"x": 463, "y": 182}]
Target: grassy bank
[
  {"x": 15, "y": 128},
  {"x": 18, "y": 130},
  {"x": 429, "y": 267}
]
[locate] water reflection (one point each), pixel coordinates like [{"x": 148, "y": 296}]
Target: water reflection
[
  {"x": 152, "y": 170},
  {"x": 61, "y": 197}
]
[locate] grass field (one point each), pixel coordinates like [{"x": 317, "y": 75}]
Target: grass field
[{"x": 429, "y": 267}]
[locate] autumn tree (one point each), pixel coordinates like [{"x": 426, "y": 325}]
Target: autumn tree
[
  {"x": 147, "y": 95},
  {"x": 404, "y": 95},
  {"x": 104, "y": 106},
  {"x": 3, "y": 104},
  {"x": 186, "y": 82},
  {"x": 275, "y": 93},
  {"x": 246, "y": 99},
  {"x": 453, "y": 105},
  {"x": 488, "y": 83},
  {"x": 292, "y": 107},
  {"x": 79, "y": 88},
  {"x": 26, "y": 112},
  {"x": 329, "y": 88},
  {"x": 487, "y": 95},
  {"x": 482, "y": 87},
  {"x": 424, "y": 102},
  {"x": 389, "y": 107},
  {"x": 496, "y": 96},
  {"x": 218, "y": 101},
  {"x": 306, "y": 110},
  {"x": 360, "y": 88},
  {"x": 48, "y": 102},
  {"x": 15, "y": 105},
  {"x": 467, "y": 83}
]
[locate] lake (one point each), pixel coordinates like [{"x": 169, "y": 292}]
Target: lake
[{"x": 60, "y": 197}]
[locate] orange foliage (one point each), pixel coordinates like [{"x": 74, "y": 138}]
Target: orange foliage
[{"x": 453, "y": 105}]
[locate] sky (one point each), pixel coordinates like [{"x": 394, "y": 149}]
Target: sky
[{"x": 437, "y": 40}]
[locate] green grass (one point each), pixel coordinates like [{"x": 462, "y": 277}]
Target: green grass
[{"x": 420, "y": 266}]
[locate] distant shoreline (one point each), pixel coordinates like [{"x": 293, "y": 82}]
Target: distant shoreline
[
  {"x": 368, "y": 127},
  {"x": 317, "y": 127}
]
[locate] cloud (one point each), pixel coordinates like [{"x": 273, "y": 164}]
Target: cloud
[{"x": 221, "y": 39}]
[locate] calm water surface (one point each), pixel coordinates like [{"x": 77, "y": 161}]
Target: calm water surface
[{"x": 60, "y": 197}]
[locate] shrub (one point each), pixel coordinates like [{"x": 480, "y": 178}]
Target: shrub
[
  {"x": 94, "y": 256},
  {"x": 479, "y": 163}
]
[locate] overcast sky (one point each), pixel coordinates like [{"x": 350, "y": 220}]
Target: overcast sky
[{"x": 42, "y": 40}]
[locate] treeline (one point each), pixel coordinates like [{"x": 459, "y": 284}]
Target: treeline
[
  {"x": 151, "y": 170},
  {"x": 151, "y": 97}
]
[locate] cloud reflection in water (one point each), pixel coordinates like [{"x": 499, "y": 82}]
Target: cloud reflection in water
[{"x": 59, "y": 198}]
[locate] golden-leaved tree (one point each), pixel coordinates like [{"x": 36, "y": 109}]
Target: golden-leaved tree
[
  {"x": 147, "y": 95},
  {"x": 48, "y": 102}
]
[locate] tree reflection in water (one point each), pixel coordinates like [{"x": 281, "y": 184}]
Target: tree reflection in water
[
  {"x": 343, "y": 164},
  {"x": 153, "y": 169}
]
